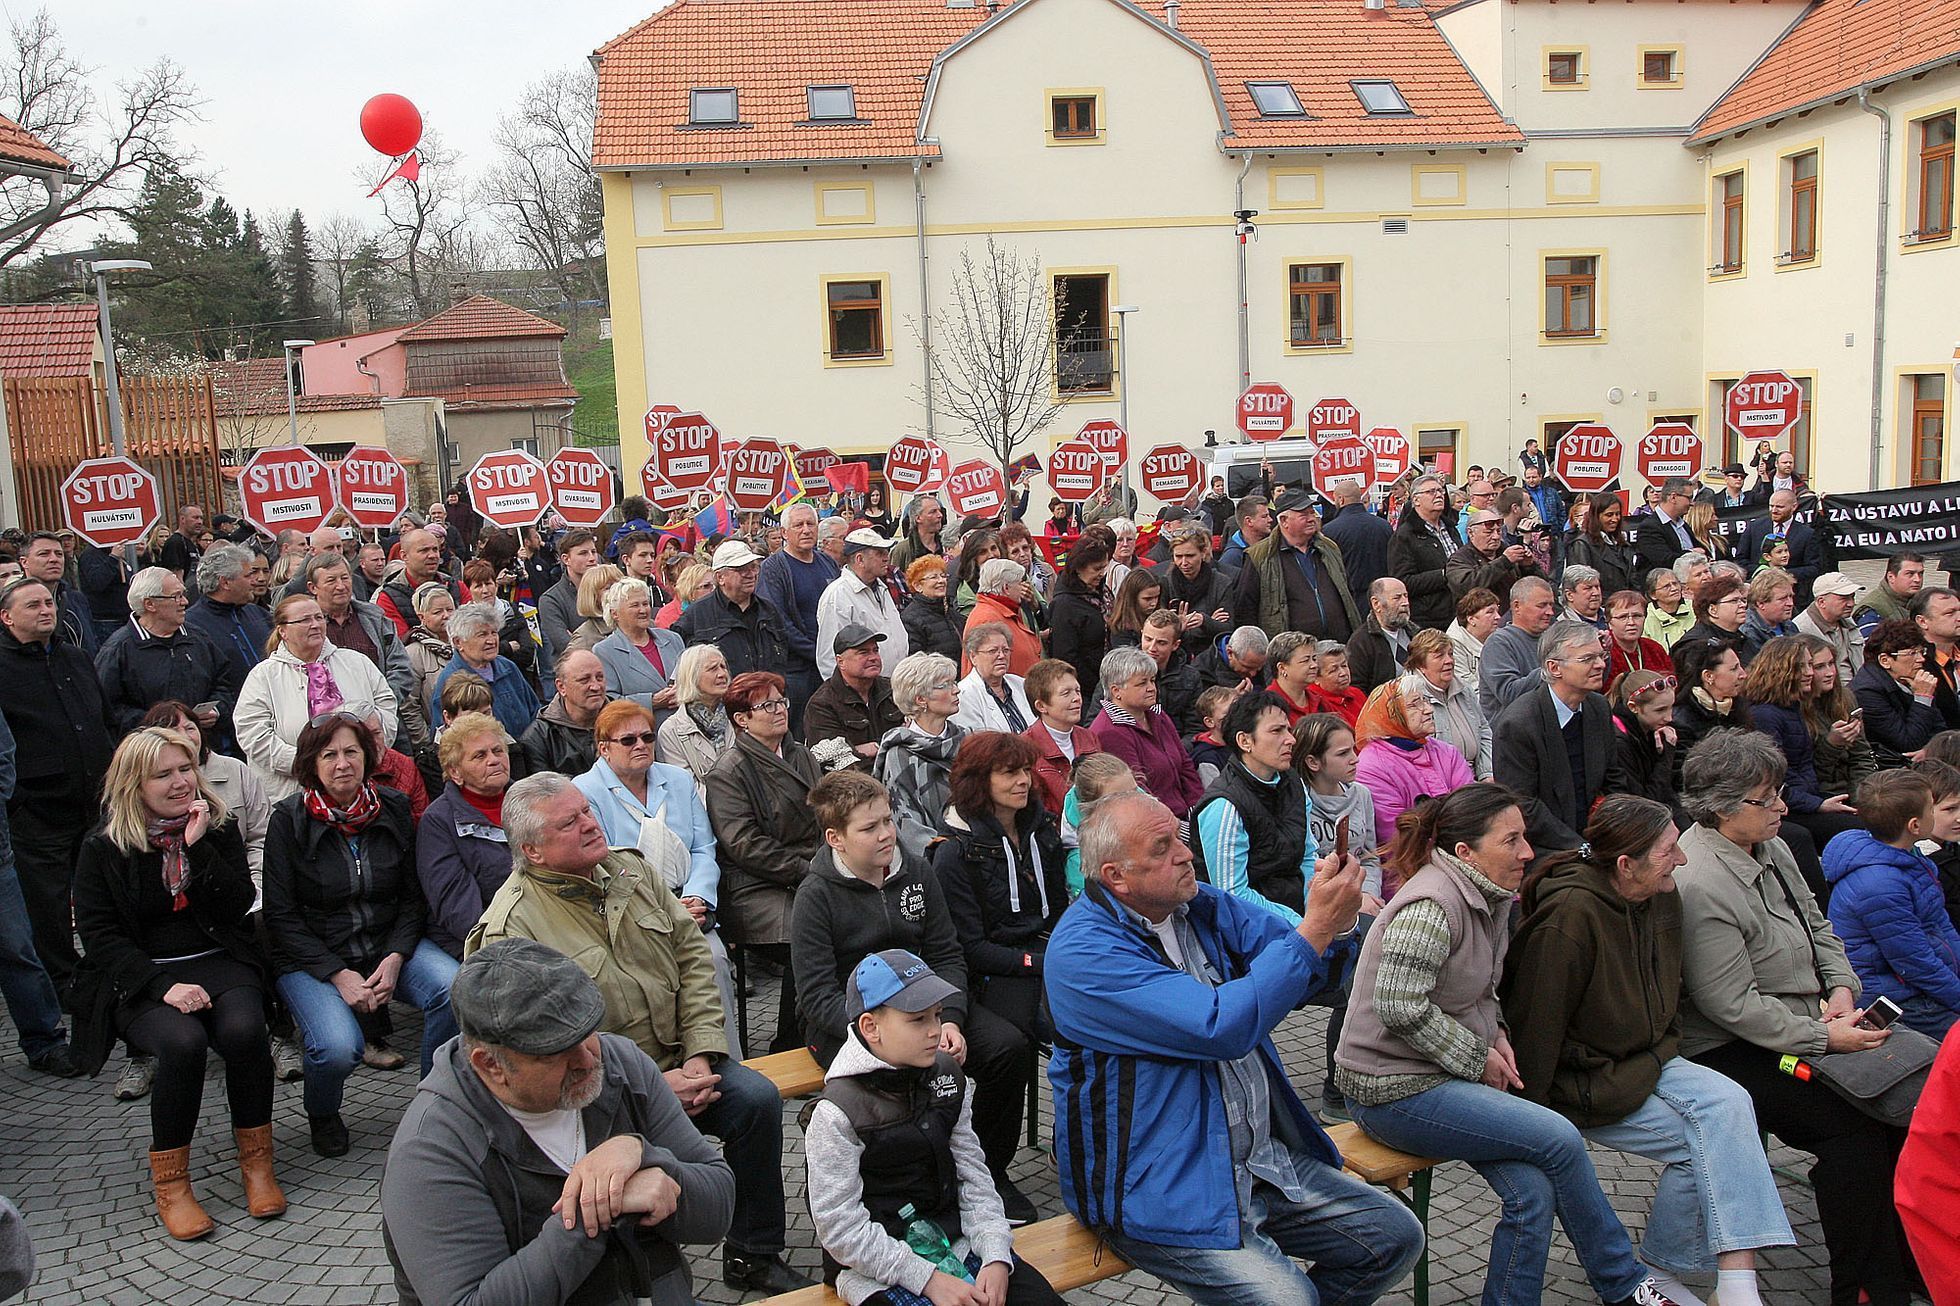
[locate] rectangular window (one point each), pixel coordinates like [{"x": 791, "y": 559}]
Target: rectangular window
[
  {"x": 1436, "y": 447},
  {"x": 1572, "y": 297},
  {"x": 857, "y": 320},
  {"x": 1728, "y": 223},
  {"x": 1928, "y": 427},
  {"x": 1380, "y": 98},
  {"x": 711, "y": 107},
  {"x": 1085, "y": 352},
  {"x": 1073, "y": 117},
  {"x": 529, "y": 446},
  {"x": 1564, "y": 68},
  {"x": 832, "y": 103},
  {"x": 1935, "y": 178},
  {"x": 1276, "y": 99},
  {"x": 1803, "y": 207},
  {"x": 1314, "y": 306},
  {"x": 1660, "y": 67}
]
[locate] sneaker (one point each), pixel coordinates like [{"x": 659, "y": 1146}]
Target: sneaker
[
  {"x": 134, "y": 1081},
  {"x": 379, "y": 1056},
  {"x": 767, "y": 1274},
  {"x": 1014, "y": 1203},
  {"x": 329, "y": 1134},
  {"x": 1334, "y": 1109},
  {"x": 288, "y": 1061},
  {"x": 1649, "y": 1294},
  {"x": 58, "y": 1061}
]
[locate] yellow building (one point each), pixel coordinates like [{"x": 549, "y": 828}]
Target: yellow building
[{"x": 1480, "y": 222}]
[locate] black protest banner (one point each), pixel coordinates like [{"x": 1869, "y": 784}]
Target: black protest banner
[
  {"x": 1732, "y": 524},
  {"x": 1879, "y": 523}
]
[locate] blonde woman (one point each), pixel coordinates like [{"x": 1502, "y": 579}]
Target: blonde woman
[
  {"x": 693, "y": 583},
  {"x": 592, "y": 589},
  {"x": 162, "y": 893},
  {"x": 696, "y": 735}
]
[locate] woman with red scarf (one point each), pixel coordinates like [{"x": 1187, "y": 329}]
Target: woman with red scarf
[
  {"x": 345, "y": 914},
  {"x": 162, "y": 892}
]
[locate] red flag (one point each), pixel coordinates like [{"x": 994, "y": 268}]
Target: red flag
[{"x": 849, "y": 478}]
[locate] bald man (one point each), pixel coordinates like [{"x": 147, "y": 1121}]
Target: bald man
[{"x": 421, "y": 555}]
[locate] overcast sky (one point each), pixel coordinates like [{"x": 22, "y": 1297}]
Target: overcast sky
[{"x": 283, "y": 81}]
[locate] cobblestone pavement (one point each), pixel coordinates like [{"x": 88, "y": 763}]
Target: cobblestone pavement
[{"x": 73, "y": 1158}]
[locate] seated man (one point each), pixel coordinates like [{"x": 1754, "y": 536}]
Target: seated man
[
  {"x": 616, "y": 915},
  {"x": 1554, "y": 744},
  {"x": 561, "y": 739},
  {"x": 1509, "y": 664},
  {"x": 1237, "y": 660},
  {"x": 542, "y": 1161},
  {"x": 1177, "y": 1135},
  {"x": 855, "y": 703}
]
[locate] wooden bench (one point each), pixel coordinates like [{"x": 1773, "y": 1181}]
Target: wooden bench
[
  {"x": 1067, "y": 1255},
  {"x": 1403, "y": 1175}
]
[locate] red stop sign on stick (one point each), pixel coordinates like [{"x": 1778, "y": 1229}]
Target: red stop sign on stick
[
  {"x": 1587, "y": 459},
  {"x": 758, "y": 471},
  {"x": 284, "y": 488},
  {"x": 110, "y": 501},
  {"x": 1265, "y": 411},
  {"x": 811, "y": 464},
  {"x": 1170, "y": 471},
  {"x": 656, "y": 419},
  {"x": 977, "y": 488},
  {"x": 1669, "y": 449},
  {"x": 915, "y": 464},
  {"x": 1076, "y": 470},
  {"x": 1332, "y": 419},
  {"x": 1391, "y": 450},
  {"x": 1763, "y": 405},
  {"x": 1107, "y": 439},
  {"x": 1343, "y": 458},
  {"x": 687, "y": 451},
  {"x": 660, "y": 492},
  {"x": 509, "y": 488},
  {"x": 373, "y": 487},
  {"x": 581, "y": 486}
]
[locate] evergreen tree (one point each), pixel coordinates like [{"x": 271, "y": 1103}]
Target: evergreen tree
[
  {"x": 257, "y": 303},
  {"x": 296, "y": 273}
]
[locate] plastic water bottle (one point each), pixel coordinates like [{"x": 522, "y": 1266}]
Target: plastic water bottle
[{"x": 931, "y": 1243}]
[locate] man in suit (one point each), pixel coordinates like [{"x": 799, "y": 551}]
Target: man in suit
[
  {"x": 1662, "y": 536},
  {"x": 1806, "y": 550},
  {"x": 1555, "y": 745}
]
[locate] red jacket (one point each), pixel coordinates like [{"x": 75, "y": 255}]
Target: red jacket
[
  {"x": 1926, "y": 1185},
  {"x": 1051, "y": 769},
  {"x": 1346, "y": 705},
  {"x": 1650, "y": 657},
  {"x": 1025, "y": 649},
  {"x": 1156, "y": 753}
]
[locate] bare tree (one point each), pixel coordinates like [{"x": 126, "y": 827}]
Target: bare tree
[
  {"x": 338, "y": 241},
  {"x": 419, "y": 216},
  {"x": 47, "y": 91},
  {"x": 542, "y": 189},
  {"x": 993, "y": 351}
]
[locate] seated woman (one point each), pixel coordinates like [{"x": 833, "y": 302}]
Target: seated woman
[
  {"x": 346, "y": 916},
  {"x": 1333, "y": 688},
  {"x": 1709, "y": 694},
  {"x": 1427, "y": 1066},
  {"x": 429, "y": 649},
  {"x": 1477, "y": 618},
  {"x": 592, "y": 587},
  {"x": 1294, "y": 663},
  {"x": 1721, "y": 605},
  {"x": 992, "y": 697},
  {"x": 235, "y": 783},
  {"x": 654, "y": 808},
  {"x": 1840, "y": 751},
  {"x": 698, "y": 733},
  {"x": 1643, "y": 722},
  {"x": 303, "y": 676},
  {"x": 476, "y": 634},
  {"x": 641, "y": 660},
  {"x": 1140, "y": 594},
  {"x": 1402, "y": 760},
  {"x": 931, "y": 624},
  {"x": 915, "y": 760},
  {"x": 1778, "y": 688},
  {"x": 1133, "y": 727},
  {"x": 1591, "y": 995},
  {"x": 1460, "y": 719},
  {"x": 1630, "y": 649},
  {"x": 1669, "y": 614},
  {"x": 162, "y": 892},
  {"x": 461, "y": 855},
  {"x": 1057, "y": 735},
  {"x": 1765, "y": 977},
  {"x": 1896, "y": 689},
  {"x": 765, "y": 833}
]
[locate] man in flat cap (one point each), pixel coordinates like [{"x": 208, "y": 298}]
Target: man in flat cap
[
  {"x": 530, "y": 1108},
  {"x": 1294, "y": 579},
  {"x": 855, "y": 703}
]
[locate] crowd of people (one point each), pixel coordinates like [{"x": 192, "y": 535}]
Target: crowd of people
[{"x": 1583, "y": 823}]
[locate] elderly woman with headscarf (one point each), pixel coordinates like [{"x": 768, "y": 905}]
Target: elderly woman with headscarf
[
  {"x": 641, "y": 660},
  {"x": 1402, "y": 759},
  {"x": 476, "y": 634},
  {"x": 1003, "y": 592},
  {"x": 696, "y": 736},
  {"x": 915, "y": 760}
]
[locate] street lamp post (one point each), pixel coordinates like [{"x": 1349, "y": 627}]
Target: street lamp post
[
  {"x": 1122, "y": 312},
  {"x": 102, "y": 268},
  {"x": 288, "y": 349}
]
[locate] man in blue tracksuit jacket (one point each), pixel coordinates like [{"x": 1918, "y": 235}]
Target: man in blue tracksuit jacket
[{"x": 1177, "y": 1135}]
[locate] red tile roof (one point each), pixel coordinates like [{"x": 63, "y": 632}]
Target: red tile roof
[
  {"x": 504, "y": 396},
  {"x": 771, "y": 52},
  {"x": 256, "y": 387},
  {"x": 480, "y": 318},
  {"x": 1836, "y": 47},
  {"x": 22, "y": 146},
  {"x": 47, "y": 339}
]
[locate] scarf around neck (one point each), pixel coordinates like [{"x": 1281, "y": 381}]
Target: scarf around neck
[
  {"x": 712, "y": 720},
  {"x": 1709, "y": 703},
  {"x": 349, "y": 820},
  {"x": 167, "y": 837}
]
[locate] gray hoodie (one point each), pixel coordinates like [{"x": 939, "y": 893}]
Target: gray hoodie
[
  {"x": 466, "y": 1196},
  {"x": 873, "y": 1259},
  {"x": 1324, "y": 813}
]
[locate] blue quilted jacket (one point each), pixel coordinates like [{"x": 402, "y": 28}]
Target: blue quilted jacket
[{"x": 1887, "y": 906}]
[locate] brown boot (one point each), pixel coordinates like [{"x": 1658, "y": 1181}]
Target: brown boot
[
  {"x": 182, "y": 1216},
  {"x": 262, "y": 1196}
]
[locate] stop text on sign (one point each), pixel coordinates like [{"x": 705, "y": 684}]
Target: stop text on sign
[
  {"x": 1762, "y": 394},
  {"x": 281, "y": 477},
  {"x": 110, "y": 487}
]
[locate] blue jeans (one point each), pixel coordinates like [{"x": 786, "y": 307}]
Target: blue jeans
[
  {"x": 333, "y": 1036},
  {"x": 1716, "y": 1192},
  {"x": 1927, "y": 1016},
  {"x": 1359, "y": 1240},
  {"x": 748, "y": 1119},
  {"x": 1535, "y": 1161},
  {"x": 24, "y": 983}
]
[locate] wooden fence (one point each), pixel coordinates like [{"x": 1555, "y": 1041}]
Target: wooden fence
[{"x": 170, "y": 426}]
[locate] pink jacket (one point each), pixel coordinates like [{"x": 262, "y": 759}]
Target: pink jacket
[
  {"x": 1397, "y": 777},
  {"x": 1164, "y": 769}
]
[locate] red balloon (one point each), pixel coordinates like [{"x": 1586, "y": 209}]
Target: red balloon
[{"x": 391, "y": 124}]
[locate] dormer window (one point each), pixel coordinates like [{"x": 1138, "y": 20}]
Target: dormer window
[
  {"x": 1380, "y": 97},
  {"x": 832, "y": 103},
  {"x": 1276, "y": 99},
  {"x": 711, "y": 107}
]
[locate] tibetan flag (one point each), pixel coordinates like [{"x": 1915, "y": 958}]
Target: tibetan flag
[
  {"x": 792, "y": 490},
  {"x": 1024, "y": 469},
  {"x": 715, "y": 519}
]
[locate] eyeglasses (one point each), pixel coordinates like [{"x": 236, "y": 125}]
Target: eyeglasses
[
  {"x": 771, "y": 705},
  {"x": 944, "y": 684},
  {"x": 1661, "y": 686},
  {"x": 317, "y": 619},
  {"x": 634, "y": 740},
  {"x": 1781, "y": 798}
]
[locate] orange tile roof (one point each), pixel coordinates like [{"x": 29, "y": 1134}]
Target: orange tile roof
[
  {"x": 1835, "y": 48},
  {"x": 480, "y": 318},
  {"x": 23, "y": 146},
  {"x": 47, "y": 339},
  {"x": 503, "y": 396},
  {"x": 770, "y": 52}
]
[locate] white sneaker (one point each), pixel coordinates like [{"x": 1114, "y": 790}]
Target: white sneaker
[
  {"x": 1650, "y": 1293},
  {"x": 134, "y": 1081}
]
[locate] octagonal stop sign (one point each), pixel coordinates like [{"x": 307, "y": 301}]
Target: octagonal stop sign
[
  {"x": 1076, "y": 470},
  {"x": 977, "y": 488},
  {"x": 286, "y": 488},
  {"x": 1107, "y": 439},
  {"x": 1763, "y": 405},
  {"x": 1343, "y": 458},
  {"x": 1670, "y": 449},
  {"x": 1265, "y": 411},
  {"x": 509, "y": 488},
  {"x": 1333, "y": 419},
  {"x": 1171, "y": 472},
  {"x": 110, "y": 501},
  {"x": 373, "y": 487},
  {"x": 581, "y": 486},
  {"x": 1587, "y": 458},
  {"x": 758, "y": 471},
  {"x": 915, "y": 465},
  {"x": 687, "y": 451},
  {"x": 1391, "y": 450},
  {"x": 661, "y": 492}
]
